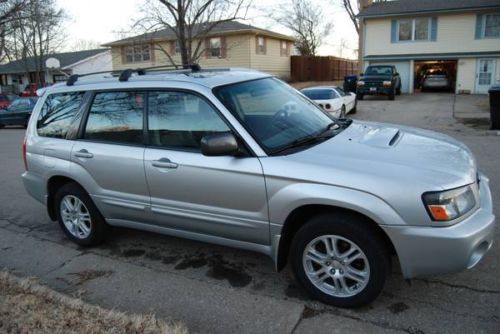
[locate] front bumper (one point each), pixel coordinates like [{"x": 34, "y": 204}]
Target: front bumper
[
  {"x": 438, "y": 250},
  {"x": 373, "y": 90}
]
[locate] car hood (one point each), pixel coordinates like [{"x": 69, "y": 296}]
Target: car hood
[
  {"x": 376, "y": 77},
  {"x": 395, "y": 163}
]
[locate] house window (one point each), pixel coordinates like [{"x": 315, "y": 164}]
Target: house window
[
  {"x": 137, "y": 53},
  {"x": 261, "y": 45},
  {"x": 284, "y": 48},
  {"x": 491, "y": 26},
  {"x": 414, "y": 29},
  {"x": 215, "y": 47},
  {"x": 177, "y": 47}
]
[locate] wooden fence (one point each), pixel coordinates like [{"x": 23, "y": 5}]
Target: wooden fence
[{"x": 315, "y": 68}]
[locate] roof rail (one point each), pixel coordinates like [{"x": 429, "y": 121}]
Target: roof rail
[{"x": 126, "y": 74}]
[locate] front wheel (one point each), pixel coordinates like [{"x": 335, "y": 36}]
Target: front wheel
[
  {"x": 338, "y": 261},
  {"x": 392, "y": 94},
  {"x": 342, "y": 112},
  {"x": 360, "y": 97}
]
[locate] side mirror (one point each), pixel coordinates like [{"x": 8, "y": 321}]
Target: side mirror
[
  {"x": 218, "y": 144},
  {"x": 397, "y": 73}
]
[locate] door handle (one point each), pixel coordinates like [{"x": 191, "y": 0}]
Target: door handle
[
  {"x": 84, "y": 154},
  {"x": 164, "y": 163}
]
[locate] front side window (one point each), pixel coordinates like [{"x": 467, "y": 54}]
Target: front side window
[
  {"x": 57, "y": 114},
  {"x": 275, "y": 114},
  {"x": 179, "y": 120},
  {"x": 116, "y": 117},
  {"x": 492, "y": 26},
  {"x": 137, "y": 53},
  {"x": 215, "y": 47},
  {"x": 414, "y": 29}
]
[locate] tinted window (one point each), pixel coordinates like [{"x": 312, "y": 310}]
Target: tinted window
[
  {"x": 379, "y": 70},
  {"x": 116, "y": 117},
  {"x": 180, "y": 120},
  {"x": 57, "y": 113},
  {"x": 320, "y": 94}
]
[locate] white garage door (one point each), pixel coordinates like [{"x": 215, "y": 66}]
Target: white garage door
[{"x": 403, "y": 69}]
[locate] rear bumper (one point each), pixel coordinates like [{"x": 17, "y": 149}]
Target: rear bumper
[
  {"x": 35, "y": 186},
  {"x": 439, "y": 250}
]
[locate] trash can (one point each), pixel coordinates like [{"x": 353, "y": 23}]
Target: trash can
[
  {"x": 350, "y": 83},
  {"x": 495, "y": 106}
]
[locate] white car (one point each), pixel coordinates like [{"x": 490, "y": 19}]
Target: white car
[{"x": 332, "y": 99}]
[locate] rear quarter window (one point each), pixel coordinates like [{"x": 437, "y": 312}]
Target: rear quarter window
[{"x": 57, "y": 114}]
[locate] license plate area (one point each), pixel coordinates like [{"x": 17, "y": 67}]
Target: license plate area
[{"x": 373, "y": 89}]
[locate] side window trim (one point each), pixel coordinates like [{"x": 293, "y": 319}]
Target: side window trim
[{"x": 76, "y": 125}]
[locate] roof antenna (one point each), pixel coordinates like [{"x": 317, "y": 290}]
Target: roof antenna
[
  {"x": 195, "y": 68},
  {"x": 125, "y": 75},
  {"x": 72, "y": 79}
]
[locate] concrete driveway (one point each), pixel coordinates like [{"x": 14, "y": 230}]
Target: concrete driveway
[{"x": 215, "y": 289}]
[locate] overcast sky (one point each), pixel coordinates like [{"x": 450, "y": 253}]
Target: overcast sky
[{"x": 102, "y": 20}]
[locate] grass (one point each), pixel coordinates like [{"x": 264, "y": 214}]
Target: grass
[{"x": 28, "y": 307}]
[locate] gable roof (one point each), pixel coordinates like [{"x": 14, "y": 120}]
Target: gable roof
[
  {"x": 66, "y": 59},
  {"x": 222, "y": 28},
  {"x": 401, "y": 7}
]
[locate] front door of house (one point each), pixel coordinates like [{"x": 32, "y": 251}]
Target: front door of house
[{"x": 485, "y": 75}]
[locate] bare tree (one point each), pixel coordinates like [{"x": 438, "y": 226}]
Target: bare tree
[
  {"x": 352, "y": 9},
  {"x": 36, "y": 31},
  {"x": 191, "y": 21},
  {"x": 8, "y": 13},
  {"x": 85, "y": 44},
  {"x": 305, "y": 19}
]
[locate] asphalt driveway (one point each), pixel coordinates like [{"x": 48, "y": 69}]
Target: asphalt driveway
[{"x": 223, "y": 290}]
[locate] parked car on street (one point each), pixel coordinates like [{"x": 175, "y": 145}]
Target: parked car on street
[
  {"x": 241, "y": 159},
  {"x": 18, "y": 112},
  {"x": 436, "y": 79},
  {"x": 379, "y": 80},
  {"x": 332, "y": 99},
  {"x": 6, "y": 100}
]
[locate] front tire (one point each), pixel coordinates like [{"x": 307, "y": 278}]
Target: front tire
[
  {"x": 392, "y": 94},
  {"x": 339, "y": 260},
  {"x": 342, "y": 112},
  {"x": 78, "y": 216},
  {"x": 360, "y": 97}
]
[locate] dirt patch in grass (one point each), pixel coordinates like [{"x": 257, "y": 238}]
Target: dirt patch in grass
[{"x": 28, "y": 307}]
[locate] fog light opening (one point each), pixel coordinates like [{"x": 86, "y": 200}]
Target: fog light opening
[{"x": 478, "y": 254}]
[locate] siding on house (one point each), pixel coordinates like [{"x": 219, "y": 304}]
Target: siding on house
[
  {"x": 455, "y": 33},
  {"x": 240, "y": 52}
]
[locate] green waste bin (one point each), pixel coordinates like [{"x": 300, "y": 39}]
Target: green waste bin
[{"x": 495, "y": 106}]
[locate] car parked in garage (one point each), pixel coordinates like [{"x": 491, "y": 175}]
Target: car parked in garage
[
  {"x": 332, "y": 99},
  {"x": 379, "y": 80},
  {"x": 241, "y": 159},
  {"x": 18, "y": 112},
  {"x": 436, "y": 79}
]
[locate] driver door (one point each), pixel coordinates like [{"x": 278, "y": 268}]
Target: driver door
[{"x": 223, "y": 196}]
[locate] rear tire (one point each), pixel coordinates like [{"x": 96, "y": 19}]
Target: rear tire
[
  {"x": 78, "y": 216},
  {"x": 321, "y": 275}
]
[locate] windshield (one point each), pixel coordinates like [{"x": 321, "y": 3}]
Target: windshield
[
  {"x": 319, "y": 94},
  {"x": 378, "y": 70},
  {"x": 276, "y": 115}
]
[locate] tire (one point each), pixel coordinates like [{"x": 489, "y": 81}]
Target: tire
[
  {"x": 96, "y": 227},
  {"x": 392, "y": 95},
  {"x": 398, "y": 91},
  {"x": 360, "y": 97},
  {"x": 349, "y": 230},
  {"x": 2, "y": 126},
  {"x": 355, "y": 108},
  {"x": 342, "y": 112}
]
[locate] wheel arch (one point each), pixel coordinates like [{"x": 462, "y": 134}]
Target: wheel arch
[
  {"x": 299, "y": 216},
  {"x": 54, "y": 183}
]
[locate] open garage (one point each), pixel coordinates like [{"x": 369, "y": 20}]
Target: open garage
[{"x": 440, "y": 68}]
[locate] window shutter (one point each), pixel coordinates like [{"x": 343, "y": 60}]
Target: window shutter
[
  {"x": 434, "y": 26},
  {"x": 124, "y": 54},
  {"x": 223, "y": 47},
  {"x": 207, "y": 47},
  {"x": 172, "y": 48},
  {"x": 257, "y": 44},
  {"x": 265, "y": 45},
  {"x": 394, "y": 31},
  {"x": 479, "y": 26}
]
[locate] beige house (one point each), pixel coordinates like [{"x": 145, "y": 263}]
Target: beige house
[
  {"x": 229, "y": 44},
  {"x": 459, "y": 36}
]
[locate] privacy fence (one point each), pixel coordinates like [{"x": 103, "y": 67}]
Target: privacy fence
[{"x": 315, "y": 68}]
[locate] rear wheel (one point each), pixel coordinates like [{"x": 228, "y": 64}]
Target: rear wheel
[
  {"x": 78, "y": 216},
  {"x": 339, "y": 261}
]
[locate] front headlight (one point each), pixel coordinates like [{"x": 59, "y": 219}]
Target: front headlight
[
  {"x": 361, "y": 83},
  {"x": 387, "y": 83},
  {"x": 450, "y": 204}
]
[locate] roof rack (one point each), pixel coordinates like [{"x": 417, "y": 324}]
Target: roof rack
[{"x": 126, "y": 74}]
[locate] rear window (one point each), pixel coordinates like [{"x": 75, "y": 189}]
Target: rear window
[
  {"x": 116, "y": 117},
  {"x": 320, "y": 94},
  {"x": 57, "y": 114}
]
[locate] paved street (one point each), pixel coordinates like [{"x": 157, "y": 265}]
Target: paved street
[{"x": 218, "y": 289}]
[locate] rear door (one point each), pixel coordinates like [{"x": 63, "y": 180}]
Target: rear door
[
  {"x": 223, "y": 196},
  {"x": 109, "y": 155}
]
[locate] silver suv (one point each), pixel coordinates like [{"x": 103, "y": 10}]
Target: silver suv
[{"x": 240, "y": 159}]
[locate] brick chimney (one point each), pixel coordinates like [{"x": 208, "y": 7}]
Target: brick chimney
[{"x": 364, "y": 3}]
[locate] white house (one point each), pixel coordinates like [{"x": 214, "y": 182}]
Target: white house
[
  {"x": 460, "y": 36},
  {"x": 14, "y": 76}
]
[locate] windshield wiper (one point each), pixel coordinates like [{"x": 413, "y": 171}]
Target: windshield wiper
[{"x": 307, "y": 140}]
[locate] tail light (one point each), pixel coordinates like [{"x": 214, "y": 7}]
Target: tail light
[{"x": 24, "y": 153}]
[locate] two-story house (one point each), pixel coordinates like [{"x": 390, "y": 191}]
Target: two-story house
[
  {"x": 461, "y": 37},
  {"x": 229, "y": 44}
]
